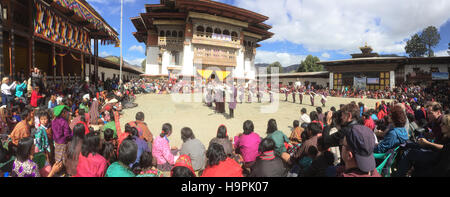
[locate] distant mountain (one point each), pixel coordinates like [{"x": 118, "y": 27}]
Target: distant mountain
[
  {"x": 117, "y": 60},
  {"x": 289, "y": 69}
]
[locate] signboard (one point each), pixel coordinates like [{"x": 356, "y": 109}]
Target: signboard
[
  {"x": 373, "y": 80},
  {"x": 359, "y": 83},
  {"x": 439, "y": 76}
]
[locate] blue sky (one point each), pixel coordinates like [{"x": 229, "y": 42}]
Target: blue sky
[{"x": 329, "y": 29}]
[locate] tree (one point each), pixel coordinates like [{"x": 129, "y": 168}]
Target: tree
[
  {"x": 415, "y": 46},
  {"x": 275, "y": 65},
  {"x": 430, "y": 37},
  {"x": 143, "y": 64},
  {"x": 310, "y": 64}
]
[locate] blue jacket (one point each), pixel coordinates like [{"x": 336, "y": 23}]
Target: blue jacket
[
  {"x": 393, "y": 138},
  {"x": 20, "y": 89}
]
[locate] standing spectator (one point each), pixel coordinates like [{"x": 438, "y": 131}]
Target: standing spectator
[
  {"x": 247, "y": 144},
  {"x": 20, "y": 91},
  {"x": 36, "y": 97},
  {"x": 268, "y": 163},
  {"x": 74, "y": 149},
  {"x": 6, "y": 90},
  {"x": 193, "y": 148},
  {"x": 22, "y": 129},
  {"x": 61, "y": 131}
]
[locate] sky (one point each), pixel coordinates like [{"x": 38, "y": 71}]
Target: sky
[{"x": 328, "y": 29}]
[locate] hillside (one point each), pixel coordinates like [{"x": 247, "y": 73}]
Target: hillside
[
  {"x": 289, "y": 69},
  {"x": 117, "y": 60}
]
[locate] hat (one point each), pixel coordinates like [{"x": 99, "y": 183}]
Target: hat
[
  {"x": 183, "y": 161},
  {"x": 86, "y": 96},
  {"x": 361, "y": 141},
  {"x": 58, "y": 109},
  {"x": 3, "y": 106}
]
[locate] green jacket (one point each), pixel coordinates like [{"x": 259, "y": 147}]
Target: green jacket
[
  {"x": 118, "y": 170},
  {"x": 279, "y": 138},
  {"x": 111, "y": 125}
]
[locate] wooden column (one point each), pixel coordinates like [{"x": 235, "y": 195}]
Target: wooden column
[
  {"x": 53, "y": 62},
  {"x": 11, "y": 54},
  {"x": 2, "y": 70},
  {"x": 30, "y": 54},
  {"x": 83, "y": 67},
  {"x": 96, "y": 61},
  {"x": 90, "y": 63},
  {"x": 61, "y": 64}
]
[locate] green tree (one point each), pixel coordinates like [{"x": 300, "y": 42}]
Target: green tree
[
  {"x": 143, "y": 64},
  {"x": 430, "y": 37},
  {"x": 310, "y": 64},
  {"x": 415, "y": 46},
  {"x": 275, "y": 65}
]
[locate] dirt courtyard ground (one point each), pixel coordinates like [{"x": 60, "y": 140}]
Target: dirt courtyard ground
[{"x": 160, "y": 109}]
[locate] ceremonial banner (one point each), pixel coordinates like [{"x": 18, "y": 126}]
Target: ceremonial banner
[
  {"x": 222, "y": 74},
  {"x": 205, "y": 73},
  {"x": 359, "y": 83},
  {"x": 55, "y": 29}
]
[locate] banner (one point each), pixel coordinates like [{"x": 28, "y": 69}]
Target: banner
[
  {"x": 359, "y": 83},
  {"x": 439, "y": 76},
  {"x": 205, "y": 73},
  {"x": 373, "y": 80}
]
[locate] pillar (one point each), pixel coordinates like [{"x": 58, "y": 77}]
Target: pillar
[
  {"x": 2, "y": 70},
  {"x": 53, "y": 63},
  {"x": 392, "y": 80},
  {"x": 331, "y": 81},
  {"x": 12, "y": 54},
  {"x": 152, "y": 67},
  {"x": 96, "y": 61}
]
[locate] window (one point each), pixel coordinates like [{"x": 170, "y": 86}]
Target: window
[
  {"x": 226, "y": 32},
  {"x": 161, "y": 33},
  {"x": 337, "y": 81},
  {"x": 174, "y": 34},
  {"x": 180, "y": 34},
  {"x": 217, "y": 31},
  {"x": 168, "y": 34}
]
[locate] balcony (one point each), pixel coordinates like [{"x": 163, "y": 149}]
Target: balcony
[
  {"x": 216, "y": 40},
  {"x": 209, "y": 57},
  {"x": 164, "y": 41}
]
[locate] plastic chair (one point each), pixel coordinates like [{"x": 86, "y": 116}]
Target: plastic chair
[{"x": 386, "y": 157}]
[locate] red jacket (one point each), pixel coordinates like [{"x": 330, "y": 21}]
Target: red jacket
[
  {"x": 35, "y": 96},
  {"x": 227, "y": 168}
]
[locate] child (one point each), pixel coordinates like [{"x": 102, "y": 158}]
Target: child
[
  {"x": 41, "y": 140},
  {"x": 23, "y": 165},
  {"x": 36, "y": 97},
  {"x": 296, "y": 137}
]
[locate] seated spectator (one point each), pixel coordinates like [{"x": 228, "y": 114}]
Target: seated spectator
[
  {"x": 247, "y": 144},
  {"x": 268, "y": 163},
  {"x": 296, "y": 135},
  {"x": 193, "y": 148},
  {"x": 219, "y": 165},
  {"x": 312, "y": 131},
  {"x": 23, "y": 165},
  {"x": 357, "y": 153},
  {"x": 161, "y": 149},
  {"x": 127, "y": 155},
  {"x": 223, "y": 139},
  {"x": 304, "y": 118},
  {"x": 145, "y": 168},
  {"x": 368, "y": 122},
  {"x": 146, "y": 134},
  {"x": 183, "y": 167},
  {"x": 90, "y": 162},
  {"x": 324, "y": 161},
  {"x": 279, "y": 138},
  {"x": 109, "y": 148},
  {"x": 306, "y": 161},
  {"x": 395, "y": 136}
]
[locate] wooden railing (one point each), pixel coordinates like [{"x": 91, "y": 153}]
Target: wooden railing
[{"x": 212, "y": 57}]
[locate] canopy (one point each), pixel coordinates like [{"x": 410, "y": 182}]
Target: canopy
[{"x": 205, "y": 73}]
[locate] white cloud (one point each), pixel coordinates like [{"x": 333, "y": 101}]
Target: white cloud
[
  {"x": 442, "y": 53},
  {"x": 137, "y": 48},
  {"x": 286, "y": 59},
  {"x": 325, "y": 55},
  {"x": 345, "y": 25},
  {"x": 136, "y": 61},
  {"x": 104, "y": 54}
]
